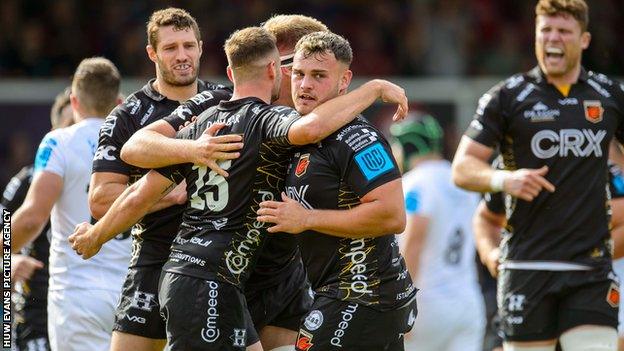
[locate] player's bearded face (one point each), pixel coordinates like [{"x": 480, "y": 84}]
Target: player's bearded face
[
  {"x": 314, "y": 80},
  {"x": 178, "y": 56},
  {"x": 559, "y": 44}
]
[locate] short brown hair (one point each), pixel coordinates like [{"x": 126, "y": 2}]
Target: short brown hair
[
  {"x": 288, "y": 29},
  {"x": 60, "y": 102},
  {"x": 96, "y": 85},
  {"x": 575, "y": 8},
  {"x": 321, "y": 42},
  {"x": 178, "y": 18},
  {"x": 247, "y": 46}
]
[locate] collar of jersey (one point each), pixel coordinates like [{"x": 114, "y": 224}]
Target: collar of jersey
[
  {"x": 148, "y": 89},
  {"x": 232, "y": 104},
  {"x": 539, "y": 76}
]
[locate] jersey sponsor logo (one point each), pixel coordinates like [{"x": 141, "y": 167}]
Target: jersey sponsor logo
[
  {"x": 202, "y": 97},
  {"x": 483, "y": 102},
  {"x": 210, "y": 333},
  {"x": 302, "y": 165},
  {"x": 143, "y": 301},
  {"x": 568, "y": 101},
  {"x": 134, "y": 106},
  {"x": 514, "y": 81},
  {"x": 541, "y": 113},
  {"x": 407, "y": 293},
  {"x": 347, "y": 316},
  {"x": 304, "y": 340},
  {"x": 476, "y": 125},
  {"x": 108, "y": 126},
  {"x": 147, "y": 114},
  {"x": 11, "y": 188},
  {"x": 580, "y": 143},
  {"x": 218, "y": 224},
  {"x": 44, "y": 153},
  {"x": 298, "y": 193},
  {"x": 136, "y": 319},
  {"x": 613, "y": 295},
  {"x": 411, "y": 318},
  {"x": 239, "y": 338},
  {"x": 601, "y": 78},
  {"x": 179, "y": 256},
  {"x": 516, "y": 302},
  {"x": 525, "y": 92},
  {"x": 598, "y": 88},
  {"x": 183, "y": 112},
  {"x": 374, "y": 161},
  {"x": 357, "y": 255},
  {"x": 593, "y": 110},
  {"x": 314, "y": 320},
  {"x": 357, "y": 141},
  {"x": 104, "y": 152},
  {"x": 200, "y": 242}
]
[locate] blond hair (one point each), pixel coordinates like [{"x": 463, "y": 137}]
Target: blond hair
[
  {"x": 575, "y": 8},
  {"x": 96, "y": 85},
  {"x": 288, "y": 29},
  {"x": 178, "y": 18}
]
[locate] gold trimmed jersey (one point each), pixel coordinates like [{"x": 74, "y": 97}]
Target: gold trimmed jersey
[
  {"x": 534, "y": 125},
  {"x": 335, "y": 174},
  {"x": 153, "y": 234},
  {"x": 220, "y": 237}
]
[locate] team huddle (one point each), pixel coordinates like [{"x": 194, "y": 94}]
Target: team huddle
[{"x": 262, "y": 216}]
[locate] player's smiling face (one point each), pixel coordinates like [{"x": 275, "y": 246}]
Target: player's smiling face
[
  {"x": 317, "y": 78},
  {"x": 559, "y": 44},
  {"x": 177, "y": 55}
]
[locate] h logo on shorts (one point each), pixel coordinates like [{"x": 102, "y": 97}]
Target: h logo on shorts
[
  {"x": 239, "y": 338},
  {"x": 516, "y": 303},
  {"x": 142, "y": 301}
]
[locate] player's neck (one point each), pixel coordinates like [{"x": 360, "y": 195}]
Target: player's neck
[
  {"x": 252, "y": 89},
  {"x": 177, "y": 93},
  {"x": 565, "y": 79}
]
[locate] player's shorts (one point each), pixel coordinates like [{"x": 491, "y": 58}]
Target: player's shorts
[
  {"x": 138, "y": 312},
  {"x": 540, "y": 305},
  {"x": 283, "y": 305},
  {"x": 618, "y": 268},
  {"x": 448, "y": 323},
  {"x": 333, "y": 324},
  {"x": 204, "y": 314},
  {"x": 32, "y": 334},
  {"x": 32, "y": 343},
  {"x": 81, "y": 319}
]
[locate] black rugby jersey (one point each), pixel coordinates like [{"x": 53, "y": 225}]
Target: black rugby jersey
[
  {"x": 31, "y": 300},
  {"x": 219, "y": 237},
  {"x": 152, "y": 235},
  {"x": 280, "y": 256},
  {"x": 534, "y": 125},
  {"x": 335, "y": 174}
]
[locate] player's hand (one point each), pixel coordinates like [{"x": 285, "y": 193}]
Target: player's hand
[
  {"x": 193, "y": 119},
  {"x": 394, "y": 94},
  {"x": 492, "y": 261},
  {"x": 288, "y": 216},
  {"x": 526, "y": 183},
  {"x": 210, "y": 148},
  {"x": 23, "y": 267},
  {"x": 84, "y": 242},
  {"x": 178, "y": 194}
]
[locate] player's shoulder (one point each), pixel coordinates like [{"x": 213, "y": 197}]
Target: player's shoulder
[
  {"x": 356, "y": 135},
  {"x": 605, "y": 85}
]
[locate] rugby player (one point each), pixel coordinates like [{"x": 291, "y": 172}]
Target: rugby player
[
  {"x": 174, "y": 45},
  {"x": 29, "y": 268},
  {"x": 277, "y": 292},
  {"x": 616, "y": 186},
  {"x": 81, "y": 295},
  {"x": 348, "y": 199},
  {"x": 553, "y": 125},
  {"x": 218, "y": 242},
  {"x": 438, "y": 244}
]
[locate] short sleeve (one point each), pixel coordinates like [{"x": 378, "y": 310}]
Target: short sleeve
[
  {"x": 15, "y": 191},
  {"x": 276, "y": 122},
  {"x": 196, "y": 105},
  {"x": 50, "y": 156},
  {"x": 487, "y": 126},
  {"x": 365, "y": 158},
  {"x": 114, "y": 133}
]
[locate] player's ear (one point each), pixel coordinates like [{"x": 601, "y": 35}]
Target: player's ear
[
  {"x": 201, "y": 44},
  {"x": 345, "y": 81},
  {"x": 75, "y": 104},
  {"x": 151, "y": 53},
  {"x": 230, "y": 74},
  {"x": 272, "y": 70},
  {"x": 585, "y": 39}
]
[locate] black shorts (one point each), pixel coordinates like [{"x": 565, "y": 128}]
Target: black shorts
[
  {"x": 30, "y": 339},
  {"x": 283, "y": 305},
  {"x": 204, "y": 314},
  {"x": 138, "y": 312},
  {"x": 333, "y": 324},
  {"x": 540, "y": 305}
]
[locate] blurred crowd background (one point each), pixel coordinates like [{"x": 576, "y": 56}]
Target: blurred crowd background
[{"x": 44, "y": 39}]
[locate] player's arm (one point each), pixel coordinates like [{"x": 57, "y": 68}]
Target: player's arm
[
  {"x": 132, "y": 205},
  {"x": 28, "y": 221},
  {"x": 413, "y": 242},
  {"x": 381, "y": 212},
  {"x": 335, "y": 113},
  {"x": 487, "y": 226}
]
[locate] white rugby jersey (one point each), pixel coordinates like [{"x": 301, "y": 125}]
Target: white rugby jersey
[
  {"x": 68, "y": 152},
  {"x": 447, "y": 262}
]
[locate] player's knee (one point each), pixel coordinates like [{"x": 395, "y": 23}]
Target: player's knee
[
  {"x": 515, "y": 346},
  {"x": 590, "y": 338}
]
